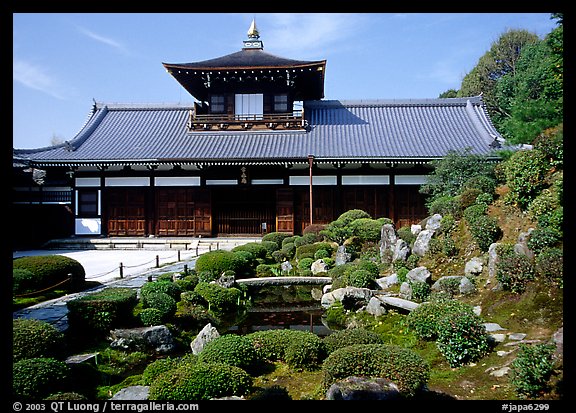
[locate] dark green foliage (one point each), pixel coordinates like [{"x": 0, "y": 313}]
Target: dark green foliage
[
  {"x": 256, "y": 248},
  {"x": 33, "y": 338},
  {"x": 406, "y": 234},
  {"x": 162, "y": 302},
  {"x": 361, "y": 278},
  {"x": 305, "y": 263},
  {"x": 23, "y": 281},
  {"x": 66, "y": 396},
  {"x": 352, "y": 215},
  {"x": 513, "y": 270},
  {"x": 424, "y": 319},
  {"x": 166, "y": 287},
  {"x": 274, "y": 392},
  {"x": 270, "y": 246},
  {"x": 277, "y": 237},
  {"x": 231, "y": 349},
  {"x": 151, "y": 317},
  {"x": 462, "y": 338},
  {"x": 36, "y": 378},
  {"x": 444, "y": 205},
  {"x": 525, "y": 173},
  {"x": 201, "y": 381},
  {"x": 397, "y": 364},
  {"x": 543, "y": 237},
  {"x": 216, "y": 262},
  {"x": 309, "y": 250},
  {"x": 349, "y": 336},
  {"x": 420, "y": 291},
  {"x": 484, "y": 228},
  {"x": 99, "y": 312},
  {"x": 50, "y": 270},
  {"x": 221, "y": 300},
  {"x": 301, "y": 350},
  {"x": 550, "y": 264},
  {"x": 532, "y": 369},
  {"x": 367, "y": 229}
]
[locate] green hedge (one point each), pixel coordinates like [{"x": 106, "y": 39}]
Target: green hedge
[
  {"x": 50, "y": 270},
  {"x": 37, "y": 378},
  {"x": 343, "y": 338},
  {"x": 33, "y": 338},
  {"x": 408, "y": 370},
  {"x": 217, "y": 262},
  {"x": 99, "y": 312},
  {"x": 219, "y": 299},
  {"x": 231, "y": 349}
]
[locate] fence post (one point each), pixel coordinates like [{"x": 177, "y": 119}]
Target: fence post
[
  {"x": 157, "y": 261},
  {"x": 121, "y": 271},
  {"x": 178, "y": 255},
  {"x": 185, "y": 270}
]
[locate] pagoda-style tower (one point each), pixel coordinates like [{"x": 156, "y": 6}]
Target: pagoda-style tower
[{"x": 249, "y": 89}]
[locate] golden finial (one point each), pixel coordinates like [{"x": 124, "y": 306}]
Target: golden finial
[{"x": 253, "y": 31}]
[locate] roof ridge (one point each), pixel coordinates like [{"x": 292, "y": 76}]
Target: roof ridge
[{"x": 462, "y": 101}]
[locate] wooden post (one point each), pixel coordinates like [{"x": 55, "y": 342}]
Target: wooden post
[
  {"x": 157, "y": 261},
  {"x": 121, "y": 271},
  {"x": 310, "y": 161}
]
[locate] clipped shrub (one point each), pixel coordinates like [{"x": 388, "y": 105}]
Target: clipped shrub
[
  {"x": 361, "y": 278},
  {"x": 33, "y": 338},
  {"x": 151, "y": 317},
  {"x": 320, "y": 254},
  {"x": 367, "y": 229},
  {"x": 166, "y": 287},
  {"x": 468, "y": 197},
  {"x": 23, "y": 281},
  {"x": 425, "y": 318},
  {"x": 301, "y": 350},
  {"x": 277, "y": 237},
  {"x": 50, "y": 270},
  {"x": 36, "y": 378},
  {"x": 305, "y": 263},
  {"x": 445, "y": 205},
  {"x": 309, "y": 250},
  {"x": 546, "y": 202},
  {"x": 353, "y": 214},
  {"x": 162, "y": 302},
  {"x": 420, "y": 290},
  {"x": 102, "y": 311},
  {"x": 409, "y": 371},
  {"x": 485, "y": 230},
  {"x": 532, "y": 369},
  {"x": 308, "y": 238},
  {"x": 513, "y": 270},
  {"x": 543, "y": 237},
  {"x": 157, "y": 367},
  {"x": 462, "y": 338},
  {"x": 216, "y": 262},
  {"x": 405, "y": 233},
  {"x": 201, "y": 381},
  {"x": 256, "y": 248},
  {"x": 270, "y": 246},
  {"x": 550, "y": 264},
  {"x": 349, "y": 336},
  {"x": 231, "y": 349},
  {"x": 525, "y": 176},
  {"x": 219, "y": 299}
]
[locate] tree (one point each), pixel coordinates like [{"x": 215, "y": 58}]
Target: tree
[{"x": 500, "y": 60}]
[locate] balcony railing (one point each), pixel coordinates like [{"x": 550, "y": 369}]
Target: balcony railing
[{"x": 293, "y": 120}]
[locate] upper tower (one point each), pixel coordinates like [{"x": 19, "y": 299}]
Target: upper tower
[{"x": 249, "y": 88}]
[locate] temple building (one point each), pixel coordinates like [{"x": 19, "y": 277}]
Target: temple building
[{"x": 260, "y": 150}]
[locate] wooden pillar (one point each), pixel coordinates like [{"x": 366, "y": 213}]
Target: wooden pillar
[{"x": 310, "y": 162}]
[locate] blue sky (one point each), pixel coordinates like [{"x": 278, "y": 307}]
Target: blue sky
[{"x": 64, "y": 61}]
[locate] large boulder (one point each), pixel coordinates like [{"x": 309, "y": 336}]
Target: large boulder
[
  {"x": 363, "y": 388},
  {"x": 156, "y": 338},
  {"x": 207, "y": 334}
]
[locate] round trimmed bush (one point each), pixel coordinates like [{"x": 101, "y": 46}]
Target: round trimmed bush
[
  {"x": 151, "y": 317},
  {"x": 462, "y": 338},
  {"x": 408, "y": 370},
  {"x": 231, "y": 349},
  {"x": 219, "y": 261},
  {"x": 157, "y": 367},
  {"x": 219, "y": 299},
  {"x": 166, "y": 287},
  {"x": 424, "y": 319},
  {"x": 37, "y": 378},
  {"x": 343, "y": 338},
  {"x": 162, "y": 302},
  {"x": 361, "y": 279},
  {"x": 23, "y": 281},
  {"x": 201, "y": 381},
  {"x": 33, "y": 338},
  {"x": 50, "y": 270}
]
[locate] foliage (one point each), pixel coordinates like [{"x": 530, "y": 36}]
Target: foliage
[
  {"x": 162, "y": 302},
  {"x": 217, "y": 262},
  {"x": 367, "y": 229},
  {"x": 349, "y": 336},
  {"x": 101, "y": 311},
  {"x": 485, "y": 231},
  {"x": 420, "y": 290},
  {"x": 231, "y": 349},
  {"x": 361, "y": 279},
  {"x": 36, "y": 378},
  {"x": 525, "y": 173},
  {"x": 532, "y": 368},
  {"x": 543, "y": 237},
  {"x": 256, "y": 248},
  {"x": 462, "y": 338},
  {"x": 513, "y": 270},
  {"x": 151, "y": 316},
  {"x": 550, "y": 264},
  {"x": 167, "y": 287},
  {"x": 301, "y": 350},
  {"x": 23, "y": 281},
  {"x": 33, "y": 338},
  {"x": 425, "y": 319},
  {"x": 220, "y": 299},
  {"x": 277, "y": 237},
  {"x": 201, "y": 381},
  {"x": 400, "y": 365},
  {"x": 452, "y": 172},
  {"x": 50, "y": 270}
]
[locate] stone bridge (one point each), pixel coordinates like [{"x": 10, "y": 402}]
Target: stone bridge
[{"x": 262, "y": 281}]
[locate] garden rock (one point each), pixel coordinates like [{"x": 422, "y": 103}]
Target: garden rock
[
  {"x": 396, "y": 302},
  {"x": 419, "y": 274},
  {"x": 350, "y": 297},
  {"x": 433, "y": 223},
  {"x": 388, "y": 240},
  {"x": 422, "y": 243},
  {"x": 156, "y": 338},
  {"x": 342, "y": 257},
  {"x": 132, "y": 393},
  {"x": 319, "y": 266},
  {"x": 401, "y": 250},
  {"x": 363, "y": 388},
  {"x": 207, "y": 334},
  {"x": 387, "y": 282},
  {"x": 375, "y": 307},
  {"x": 474, "y": 267}
]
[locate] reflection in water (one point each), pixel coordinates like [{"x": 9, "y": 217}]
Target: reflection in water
[{"x": 295, "y": 307}]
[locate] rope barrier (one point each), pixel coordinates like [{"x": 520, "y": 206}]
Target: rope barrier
[{"x": 45, "y": 289}]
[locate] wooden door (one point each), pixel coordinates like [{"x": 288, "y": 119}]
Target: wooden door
[
  {"x": 126, "y": 211},
  {"x": 285, "y": 210},
  {"x": 182, "y": 212}
]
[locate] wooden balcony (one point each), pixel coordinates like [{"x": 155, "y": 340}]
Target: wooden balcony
[{"x": 268, "y": 121}]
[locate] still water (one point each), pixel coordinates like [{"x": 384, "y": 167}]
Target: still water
[{"x": 295, "y": 307}]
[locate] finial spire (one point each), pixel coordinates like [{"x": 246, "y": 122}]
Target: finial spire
[
  {"x": 253, "y": 30},
  {"x": 253, "y": 41}
]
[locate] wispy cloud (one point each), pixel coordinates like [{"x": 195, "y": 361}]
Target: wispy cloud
[
  {"x": 311, "y": 34},
  {"x": 35, "y": 77},
  {"x": 108, "y": 41}
]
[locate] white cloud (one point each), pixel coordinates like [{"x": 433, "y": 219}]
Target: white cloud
[
  {"x": 103, "y": 39},
  {"x": 310, "y": 34},
  {"x": 35, "y": 77}
]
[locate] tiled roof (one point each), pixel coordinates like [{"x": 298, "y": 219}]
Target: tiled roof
[{"x": 377, "y": 130}]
